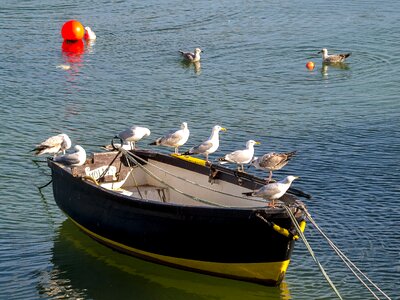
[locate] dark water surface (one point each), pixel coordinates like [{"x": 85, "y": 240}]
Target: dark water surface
[{"x": 344, "y": 121}]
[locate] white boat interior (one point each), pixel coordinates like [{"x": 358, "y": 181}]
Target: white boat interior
[{"x": 162, "y": 182}]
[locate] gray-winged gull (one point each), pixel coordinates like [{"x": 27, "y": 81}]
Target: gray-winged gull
[
  {"x": 133, "y": 135},
  {"x": 240, "y": 157},
  {"x": 190, "y": 56},
  {"x": 53, "y": 145},
  {"x": 74, "y": 159},
  {"x": 209, "y": 146},
  {"x": 273, "y": 191},
  {"x": 174, "y": 139},
  {"x": 272, "y": 161},
  {"x": 333, "y": 58}
]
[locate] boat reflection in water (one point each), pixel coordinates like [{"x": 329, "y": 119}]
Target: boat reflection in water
[{"x": 85, "y": 269}]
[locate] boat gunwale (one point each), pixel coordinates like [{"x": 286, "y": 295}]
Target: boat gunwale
[{"x": 277, "y": 212}]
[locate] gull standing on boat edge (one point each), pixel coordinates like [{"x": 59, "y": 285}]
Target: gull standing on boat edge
[
  {"x": 190, "y": 56},
  {"x": 133, "y": 135},
  {"x": 272, "y": 161},
  {"x": 240, "y": 157},
  {"x": 54, "y": 145},
  {"x": 333, "y": 58},
  {"x": 174, "y": 139},
  {"x": 273, "y": 191},
  {"x": 77, "y": 158},
  {"x": 209, "y": 146}
]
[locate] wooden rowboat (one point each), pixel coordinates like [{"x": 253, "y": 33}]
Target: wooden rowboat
[{"x": 179, "y": 211}]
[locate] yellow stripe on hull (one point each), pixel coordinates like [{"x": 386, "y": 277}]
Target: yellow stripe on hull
[
  {"x": 268, "y": 273},
  {"x": 194, "y": 160}
]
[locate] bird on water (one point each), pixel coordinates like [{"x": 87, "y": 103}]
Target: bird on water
[
  {"x": 191, "y": 56},
  {"x": 333, "y": 58}
]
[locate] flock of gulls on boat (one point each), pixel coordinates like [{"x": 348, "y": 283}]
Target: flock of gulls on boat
[{"x": 268, "y": 162}]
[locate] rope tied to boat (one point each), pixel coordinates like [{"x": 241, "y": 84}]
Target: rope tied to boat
[
  {"x": 132, "y": 157},
  {"x": 296, "y": 224},
  {"x": 135, "y": 158},
  {"x": 352, "y": 267},
  {"x": 281, "y": 230}
]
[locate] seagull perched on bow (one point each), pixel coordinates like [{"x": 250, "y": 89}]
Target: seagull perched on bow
[
  {"x": 133, "y": 135},
  {"x": 240, "y": 157},
  {"x": 77, "y": 158},
  {"x": 273, "y": 191},
  {"x": 209, "y": 146},
  {"x": 191, "y": 57},
  {"x": 174, "y": 139},
  {"x": 272, "y": 161},
  {"x": 333, "y": 58},
  {"x": 54, "y": 145}
]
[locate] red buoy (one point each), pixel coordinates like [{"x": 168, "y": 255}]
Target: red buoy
[
  {"x": 72, "y": 30},
  {"x": 310, "y": 65}
]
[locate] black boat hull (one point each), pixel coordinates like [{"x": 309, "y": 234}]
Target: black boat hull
[{"x": 228, "y": 242}]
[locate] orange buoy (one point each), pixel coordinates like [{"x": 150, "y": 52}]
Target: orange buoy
[
  {"x": 72, "y": 30},
  {"x": 310, "y": 65}
]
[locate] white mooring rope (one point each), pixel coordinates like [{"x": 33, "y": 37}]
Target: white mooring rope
[
  {"x": 342, "y": 256},
  {"x": 296, "y": 224},
  {"x": 347, "y": 261}
]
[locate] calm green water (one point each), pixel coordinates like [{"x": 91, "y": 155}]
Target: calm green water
[{"x": 344, "y": 122}]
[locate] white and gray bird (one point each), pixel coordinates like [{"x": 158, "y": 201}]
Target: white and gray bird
[
  {"x": 174, "y": 139},
  {"x": 209, "y": 146},
  {"x": 272, "y": 161},
  {"x": 333, "y": 58},
  {"x": 89, "y": 34},
  {"x": 77, "y": 158},
  {"x": 241, "y": 157},
  {"x": 133, "y": 135},
  {"x": 190, "y": 56},
  {"x": 54, "y": 145},
  {"x": 273, "y": 191}
]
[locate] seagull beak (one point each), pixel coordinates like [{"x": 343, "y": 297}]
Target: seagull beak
[
  {"x": 319, "y": 52},
  {"x": 258, "y": 143},
  {"x": 296, "y": 177},
  {"x": 223, "y": 129}
]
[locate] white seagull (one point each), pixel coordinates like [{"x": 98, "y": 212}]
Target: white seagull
[
  {"x": 333, "y": 58},
  {"x": 272, "y": 161},
  {"x": 273, "y": 191},
  {"x": 53, "y": 145},
  {"x": 209, "y": 146},
  {"x": 89, "y": 34},
  {"x": 74, "y": 159},
  {"x": 174, "y": 139},
  {"x": 133, "y": 135},
  {"x": 192, "y": 57},
  {"x": 241, "y": 157}
]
